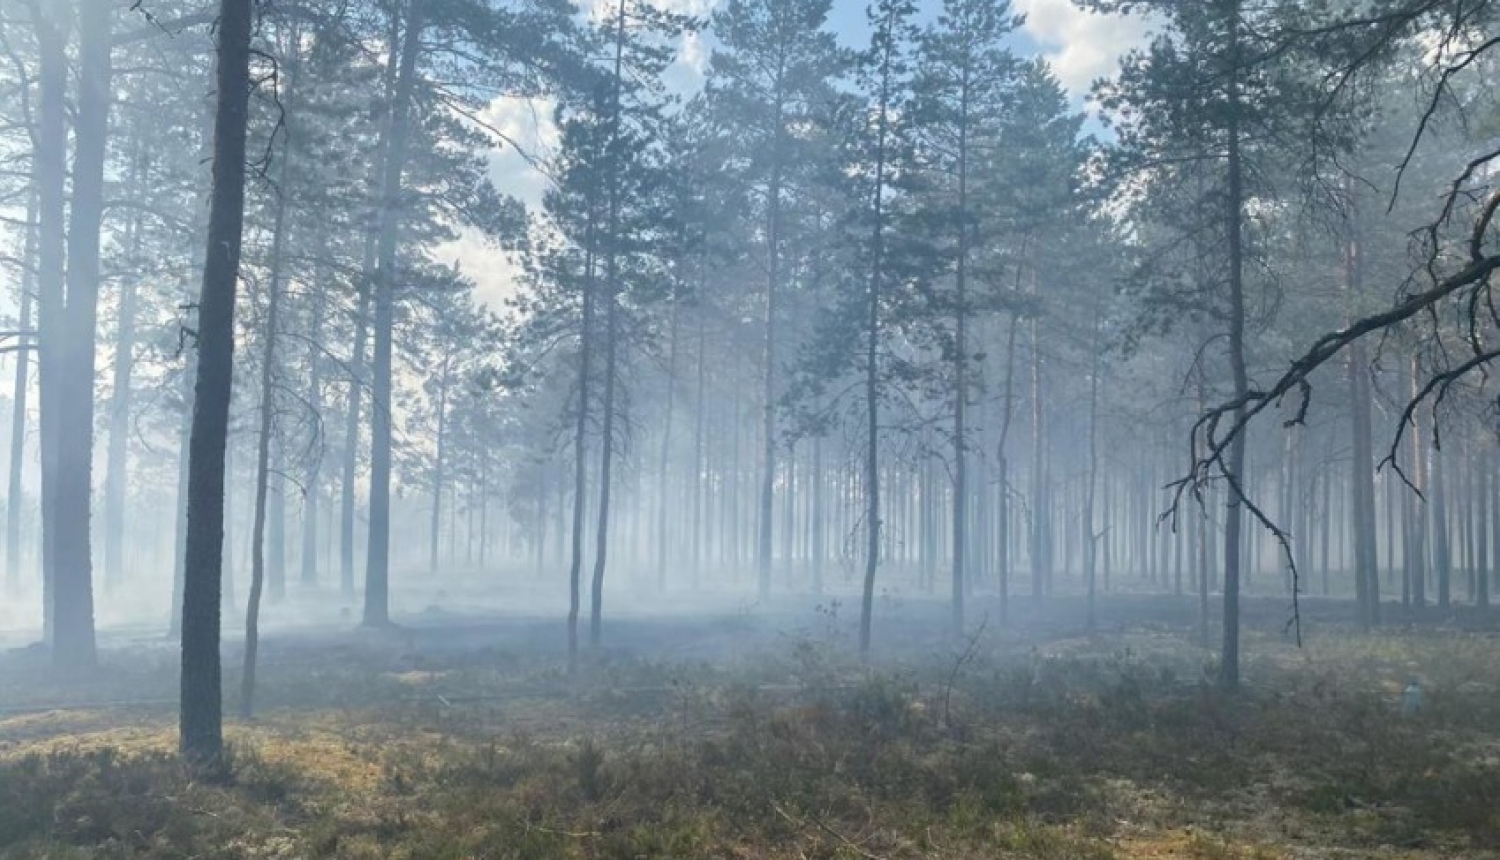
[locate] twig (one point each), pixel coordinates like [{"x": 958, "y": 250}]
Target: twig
[
  {"x": 849, "y": 843},
  {"x": 964, "y": 659}
]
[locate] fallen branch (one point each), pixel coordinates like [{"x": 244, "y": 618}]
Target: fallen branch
[{"x": 848, "y": 843}]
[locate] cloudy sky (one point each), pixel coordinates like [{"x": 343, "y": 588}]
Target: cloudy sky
[{"x": 1080, "y": 46}]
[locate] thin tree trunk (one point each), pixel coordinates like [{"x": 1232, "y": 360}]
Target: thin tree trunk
[
  {"x": 440, "y": 458},
  {"x": 1039, "y": 501},
  {"x": 768, "y": 387},
  {"x": 184, "y": 440},
  {"x": 313, "y": 491},
  {"x": 666, "y": 451},
  {"x": 262, "y": 488},
  {"x": 348, "y": 487},
  {"x": 961, "y": 367},
  {"x": 50, "y": 179},
  {"x": 1442, "y": 554},
  {"x": 1362, "y": 473},
  {"x": 1491, "y": 487},
  {"x": 1205, "y": 547},
  {"x": 1230, "y": 662},
  {"x": 1090, "y": 550},
  {"x": 18, "y": 421},
  {"x": 698, "y": 476},
  {"x": 1002, "y": 467},
  {"x": 611, "y": 340},
  {"x": 117, "y": 458},
  {"x": 580, "y": 455},
  {"x": 267, "y": 501},
  {"x": 872, "y": 339}
]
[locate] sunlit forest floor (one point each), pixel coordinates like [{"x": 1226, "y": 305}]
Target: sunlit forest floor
[{"x": 760, "y": 735}]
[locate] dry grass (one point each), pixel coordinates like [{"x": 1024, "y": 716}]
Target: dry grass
[{"x": 1086, "y": 750}]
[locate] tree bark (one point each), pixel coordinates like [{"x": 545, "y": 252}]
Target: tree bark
[
  {"x": 201, "y": 716},
  {"x": 1230, "y": 662}
]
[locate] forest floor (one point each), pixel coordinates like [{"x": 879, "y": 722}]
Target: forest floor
[{"x": 753, "y": 737}]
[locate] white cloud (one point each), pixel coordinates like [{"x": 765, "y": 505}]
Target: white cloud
[
  {"x": 494, "y": 274},
  {"x": 1082, "y": 46},
  {"x": 530, "y": 136}
]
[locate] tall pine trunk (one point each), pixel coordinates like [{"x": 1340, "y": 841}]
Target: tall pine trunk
[
  {"x": 611, "y": 338},
  {"x": 117, "y": 459},
  {"x": 1234, "y": 223},
  {"x": 262, "y": 486},
  {"x": 19, "y": 389},
  {"x": 580, "y": 458},
  {"x": 883, "y": 108},
  {"x": 348, "y": 485},
  {"x": 313, "y": 492},
  {"x": 666, "y": 449},
  {"x": 73, "y": 594},
  {"x": 201, "y": 710},
  {"x": 961, "y": 369},
  {"x": 377, "y": 611},
  {"x": 50, "y": 176},
  {"x": 439, "y": 460}
]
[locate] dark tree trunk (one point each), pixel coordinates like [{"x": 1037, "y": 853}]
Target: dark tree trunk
[
  {"x": 1230, "y": 664},
  {"x": 202, "y": 727},
  {"x": 1442, "y": 554}
]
